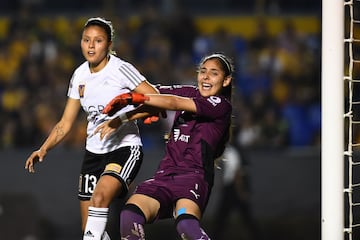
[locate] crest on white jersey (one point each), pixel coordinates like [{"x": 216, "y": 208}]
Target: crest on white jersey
[{"x": 81, "y": 90}]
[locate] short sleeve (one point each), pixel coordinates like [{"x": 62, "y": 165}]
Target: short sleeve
[
  {"x": 73, "y": 91},
  {"x": 212, "y": 106},
  {"x": 131, "y": 75}
]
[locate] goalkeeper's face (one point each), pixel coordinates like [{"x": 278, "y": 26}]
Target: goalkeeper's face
[
  {"x": 95, "y": 46},
  {"x": 211, "y": 78}
]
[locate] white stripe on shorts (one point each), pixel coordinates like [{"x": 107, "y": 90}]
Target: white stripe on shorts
[{"x": 130, "y": 163}]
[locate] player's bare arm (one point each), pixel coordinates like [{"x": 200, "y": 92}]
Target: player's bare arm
[
  {"x": 58, "y": 133},
  {"x": 145, "y": 87},
  {"x": 171, "y": 102}
]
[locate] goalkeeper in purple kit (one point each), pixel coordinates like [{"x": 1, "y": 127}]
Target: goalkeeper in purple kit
[{"x": 182, "y": 184}]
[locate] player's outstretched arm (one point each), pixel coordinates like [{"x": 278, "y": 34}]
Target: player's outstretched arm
[
  {"x": 170, "y": 102},
  {"x": 160, "y": 102}
]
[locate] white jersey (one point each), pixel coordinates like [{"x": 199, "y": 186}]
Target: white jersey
[{"x": 95, "y": 91}]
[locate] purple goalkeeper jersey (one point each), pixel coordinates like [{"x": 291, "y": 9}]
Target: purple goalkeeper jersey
[{"x": 196, "y": 139}]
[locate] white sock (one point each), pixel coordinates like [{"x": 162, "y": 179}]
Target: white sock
[{"x": 96, "y": 223}]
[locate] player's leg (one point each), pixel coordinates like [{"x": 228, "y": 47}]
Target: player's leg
[
  {"x": 91, "y": 169},
  {"x": 187, "y": 222},
  {"x": 122, "y": 166},
  {"x": 138, "y": 210},
  {"x": 84, "y": 206},
  {"x": 107, "y": 188}
]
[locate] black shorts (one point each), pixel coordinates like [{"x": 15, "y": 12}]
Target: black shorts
[{"x": 123, "y": 164}]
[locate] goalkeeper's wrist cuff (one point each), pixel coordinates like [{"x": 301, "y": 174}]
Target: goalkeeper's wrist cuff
[{"x": 123, "y": 117}]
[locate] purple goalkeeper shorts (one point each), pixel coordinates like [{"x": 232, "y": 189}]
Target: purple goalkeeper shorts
[{"x": 168, "y": 188}]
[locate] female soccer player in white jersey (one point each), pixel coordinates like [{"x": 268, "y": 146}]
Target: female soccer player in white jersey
[
  {"x": 110, "y": 165},
  {"x": 182, "y": 184}
]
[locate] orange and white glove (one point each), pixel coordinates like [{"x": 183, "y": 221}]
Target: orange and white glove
[{"x": 123, "y": 100}]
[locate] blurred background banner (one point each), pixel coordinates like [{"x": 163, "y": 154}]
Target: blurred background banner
[{"x": 276, "y": 49}]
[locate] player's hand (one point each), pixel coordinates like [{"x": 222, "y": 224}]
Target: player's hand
[
  {"x": 150, "y": 119},
  {"x": 154, "y": 118},
  {"x": 107, "y": 128},
  {"x": 123, "y": 100},
  {"x": 35, "y": 157}
]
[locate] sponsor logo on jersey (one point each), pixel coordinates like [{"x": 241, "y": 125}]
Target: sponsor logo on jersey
[
  {"x": 81, "y": 90},
  {"x": 214, "y": 100},
  {"x": 113, "y": 167},
  {"x": 180, "y": 137}
]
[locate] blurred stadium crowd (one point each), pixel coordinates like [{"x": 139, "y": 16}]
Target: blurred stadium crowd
[{"x": 277, "y": 81}]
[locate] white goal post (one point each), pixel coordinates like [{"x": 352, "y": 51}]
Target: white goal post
[{"x": 332, "y": 134}]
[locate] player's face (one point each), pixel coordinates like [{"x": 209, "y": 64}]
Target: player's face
[
  {"x": 211, "y": 78},
  {"x": 95, "y": 47}
]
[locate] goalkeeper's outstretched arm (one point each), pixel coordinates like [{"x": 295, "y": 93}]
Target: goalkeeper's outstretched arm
[
  {"x": 153, "y": 104},
  {"x": 171, "y": 102}
]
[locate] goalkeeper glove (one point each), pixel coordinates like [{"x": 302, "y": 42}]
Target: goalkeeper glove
[
  {"x": 123, "y": 100},
  {"x": 149, "y": 120},
  {"x": 154, "y": 118}
]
